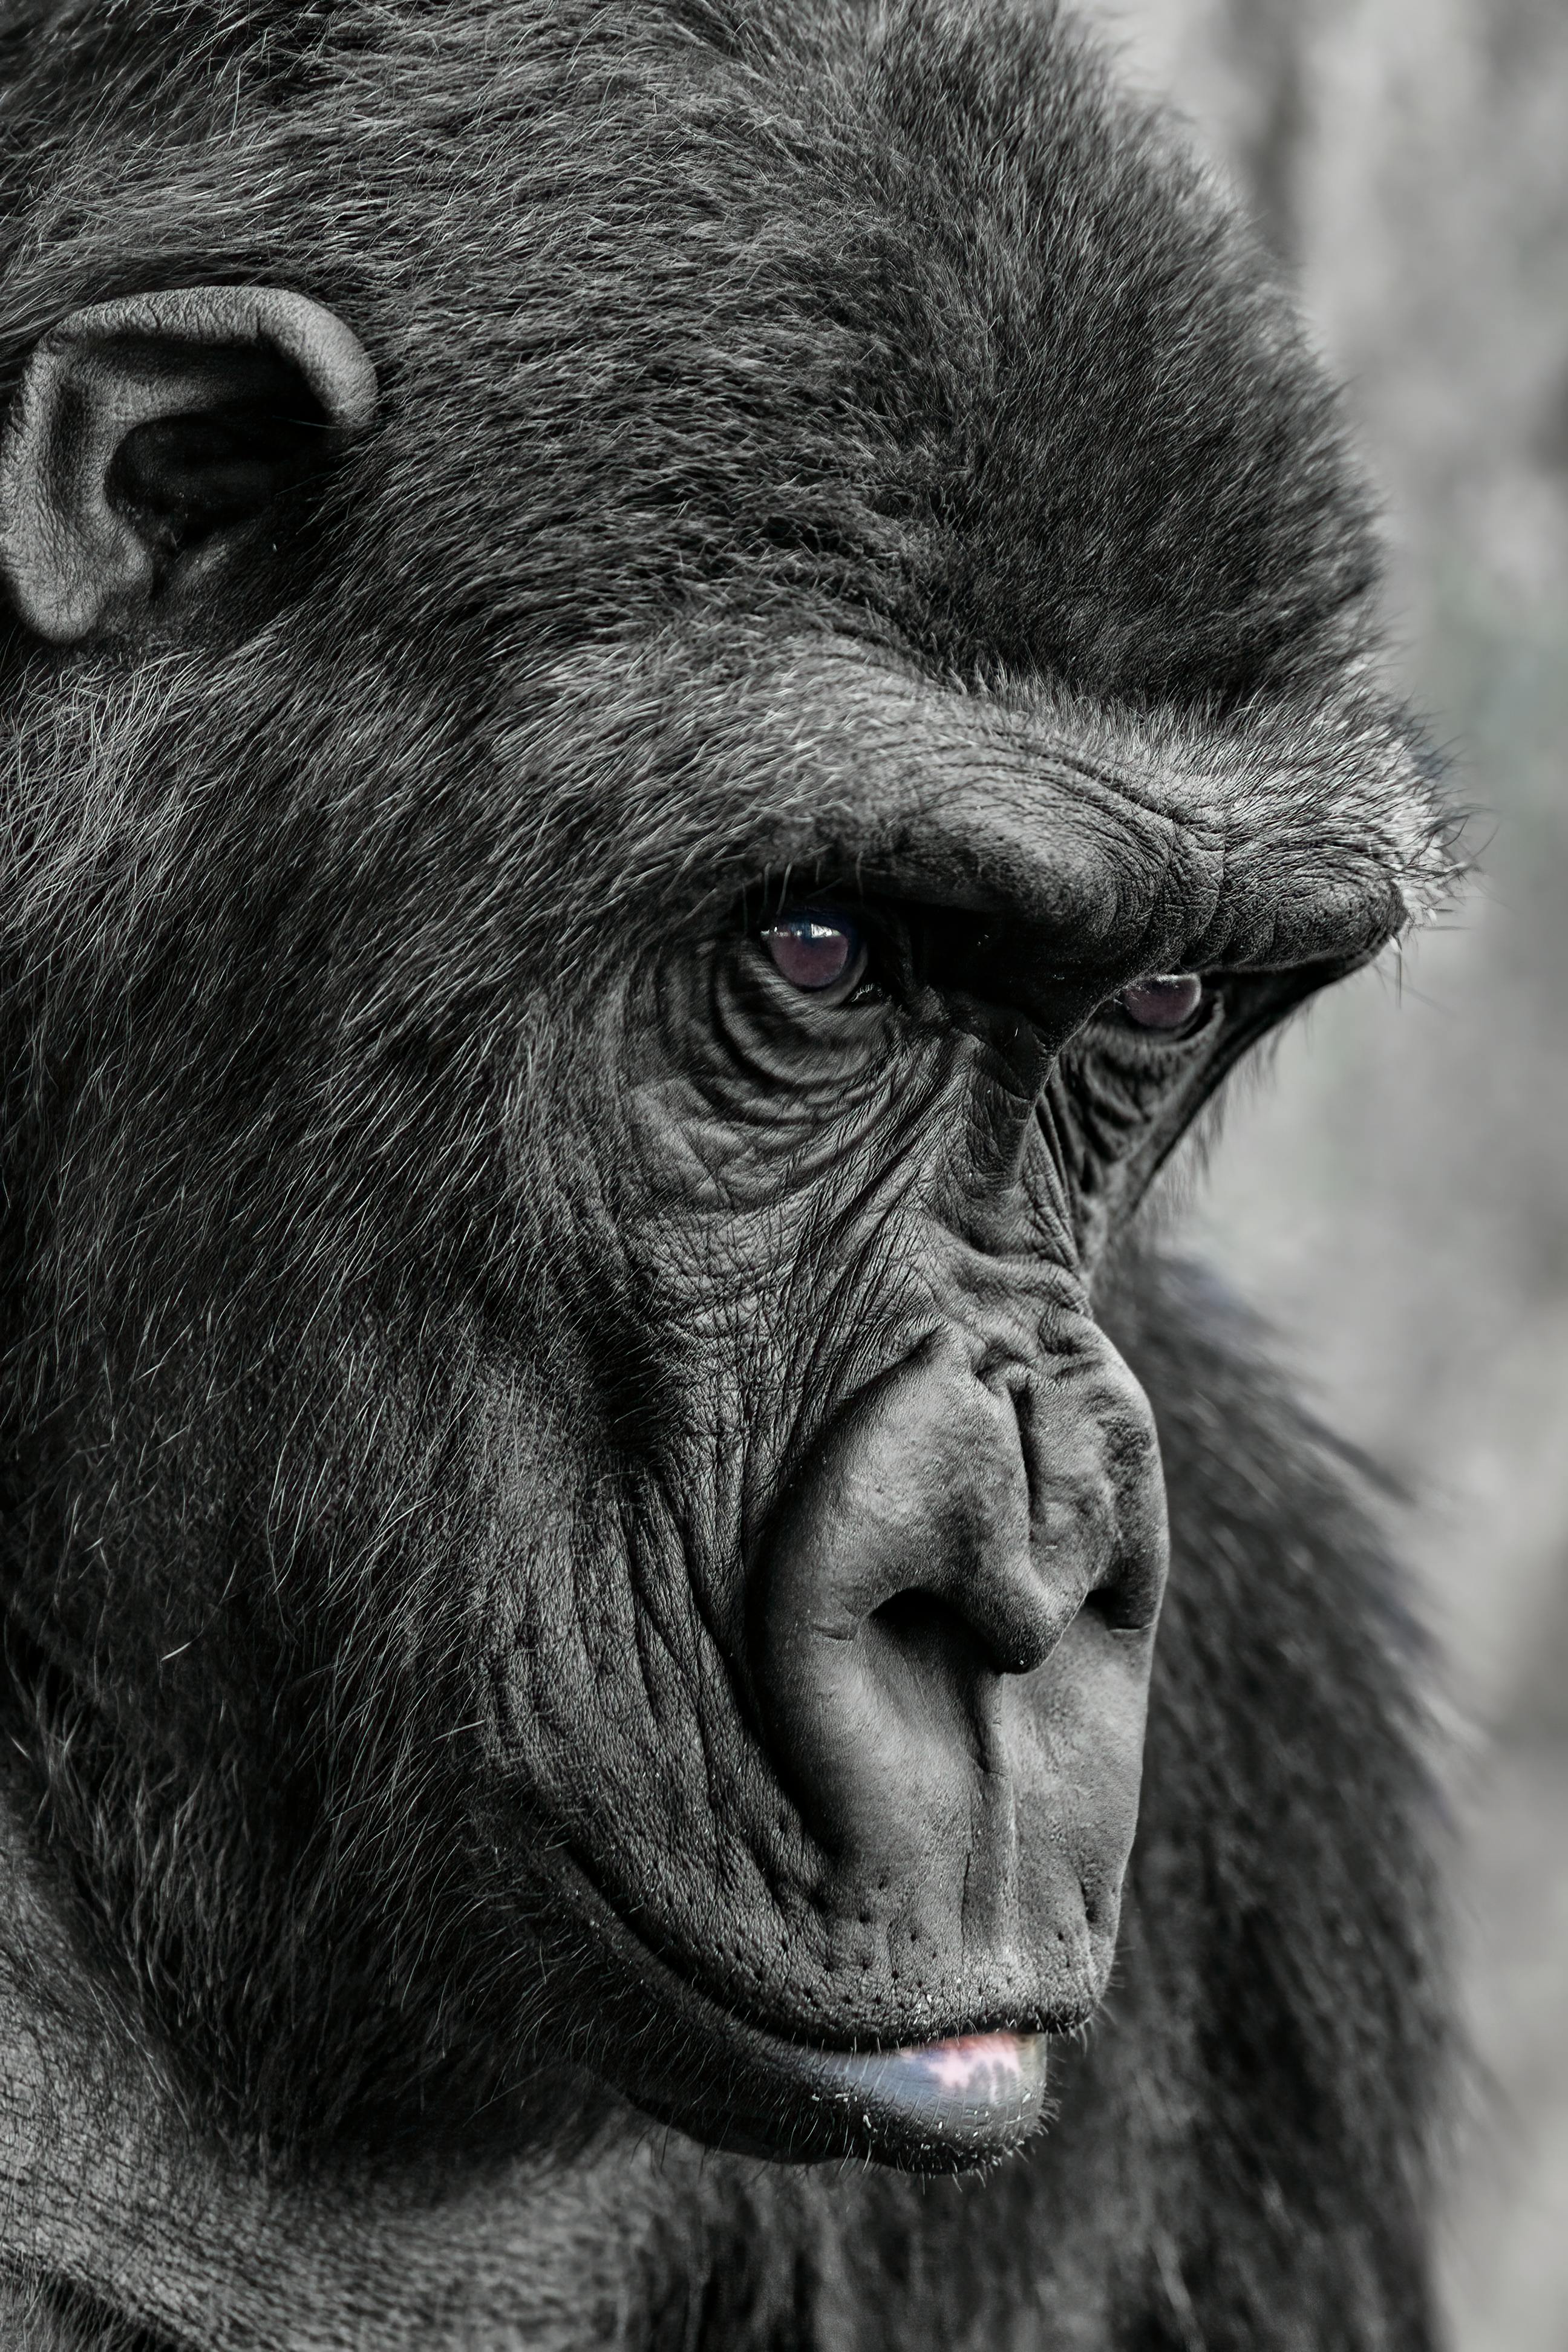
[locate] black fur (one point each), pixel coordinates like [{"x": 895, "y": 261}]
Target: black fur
[{"x": 700, "y": 329}]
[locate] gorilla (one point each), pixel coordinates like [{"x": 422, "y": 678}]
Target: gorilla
[{"x": 679, "y": 677}]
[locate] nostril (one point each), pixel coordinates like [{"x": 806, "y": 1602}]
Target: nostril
[
  {"x": 936, "y": 1640},
  {"x": 1128, "y": 1598},
  {"x": 926, "y": 1631},
  {"x": 910, "y": 1619}
]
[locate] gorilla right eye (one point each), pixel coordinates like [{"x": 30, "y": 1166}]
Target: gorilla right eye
[
  {"x": 1163, "y": 1000},
  {"x": 817, "y": 949}
]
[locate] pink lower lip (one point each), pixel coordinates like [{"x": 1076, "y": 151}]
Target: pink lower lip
[
  {"x": 989, "y": 2084},
  {"x": 987, "y": 2067}
]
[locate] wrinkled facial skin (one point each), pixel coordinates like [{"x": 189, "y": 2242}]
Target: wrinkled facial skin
[
  {"x": 893, "y": 1502},
  {"x": 881, "y": 1515}
]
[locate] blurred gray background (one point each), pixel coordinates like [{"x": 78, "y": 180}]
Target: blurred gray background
[{"x": 1396, "y": 1196}]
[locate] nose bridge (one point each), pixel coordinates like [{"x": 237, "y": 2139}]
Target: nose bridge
[
  {"x": 945, "y": 1534},
  {"x": 1098, "y": 1496},
  {"x": 923, "y": 1487}
]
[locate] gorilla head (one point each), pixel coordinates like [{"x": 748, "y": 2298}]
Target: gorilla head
[{"x": 683, "y": 678}]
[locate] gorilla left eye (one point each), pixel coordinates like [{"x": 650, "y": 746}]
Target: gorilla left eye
[
  {"x": 1163, "y": 1000},
  {"x": 815, "y": 949}
]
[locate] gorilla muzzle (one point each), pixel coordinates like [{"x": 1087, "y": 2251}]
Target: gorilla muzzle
[{"x": 950, "y": 1641}]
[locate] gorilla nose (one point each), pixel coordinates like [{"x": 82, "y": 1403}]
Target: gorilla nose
[{"x": 945, "y": 1534}]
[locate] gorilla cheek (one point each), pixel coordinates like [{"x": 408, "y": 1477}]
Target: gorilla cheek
[{"x": 951, "y": 1634}]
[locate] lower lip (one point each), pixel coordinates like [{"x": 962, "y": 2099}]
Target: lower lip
[{"x": 981, "y": 2089}]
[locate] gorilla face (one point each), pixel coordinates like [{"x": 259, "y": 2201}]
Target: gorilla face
[
  {"x": 861, "y": 1629},
  {"x": 606, "y": 942},
  {"x": 879, "y": 1520},
  {"x": 853, "y": 1602}
]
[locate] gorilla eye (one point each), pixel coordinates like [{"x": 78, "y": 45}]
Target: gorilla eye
[
  {"x": 1163, "y": 1000},
  {"x": 815, "y": 949}
]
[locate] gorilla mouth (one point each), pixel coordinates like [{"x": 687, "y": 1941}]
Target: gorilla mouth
[
  {"x": 687, "y": 2059},
  {"x": 936, "y": 2107},
  {"x": 982, "y": 2092}
]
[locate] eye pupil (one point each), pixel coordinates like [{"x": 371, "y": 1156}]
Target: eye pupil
[
  {"x": 1163, "y": 1000},
  {"x": 812, "y": 948}
]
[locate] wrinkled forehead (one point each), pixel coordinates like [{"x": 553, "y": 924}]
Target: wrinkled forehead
[{"x": 1123, "y": 840}]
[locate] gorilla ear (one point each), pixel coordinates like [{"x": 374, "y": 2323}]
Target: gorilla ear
[{"x": 147, "y": 433}]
